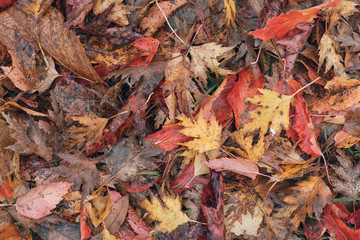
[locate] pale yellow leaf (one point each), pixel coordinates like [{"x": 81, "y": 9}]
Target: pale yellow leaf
[
  {"x": 207, "y": 56},
  {"x": 207, "y": 135},
  {"x": 199, "y": 167},
  {"x": 169, "y": 214},
  {"x": 328, "y": 50}
]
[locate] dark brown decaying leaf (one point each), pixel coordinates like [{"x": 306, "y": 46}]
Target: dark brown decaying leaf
[
  {"x": 117, "y": 215},
  {"x": 80, "y": 171},
  {"x": 348, "y": 176}
]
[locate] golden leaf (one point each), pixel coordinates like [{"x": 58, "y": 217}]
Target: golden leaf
[
  {"x": 207, "y": 136},
  {"x": 169, "y": 216},
  {"x": 328, "y": 49},
  {"x": 272, "y": 114},
  {"x": 230, "y": 11},
  {"x": 98, "y": 209}
]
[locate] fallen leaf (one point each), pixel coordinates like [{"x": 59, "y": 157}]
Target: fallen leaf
[
  {"x": 338, "y": 87},
  {"x": 80, "y": 171},
  {"x": 237, "y": 165},
  {"x": 78, "y": 12},
  {"x": 39, "y": 201},
  {"x": 118, "y": 212},
  {"x": 277, "y": 27},
  {"x": 207, "y": 136},
  {"x": 23, "y": 29},
  {"x": 347, "y": 176},
  {"x": 230, "y": 11},
  {"x": 98, "y": 208},
  {"x": 155, "y": 17},
  {"x": 246, "y": 87},
  {"x": 329, "y": 51},
  {"x": 169, "y": 215},
  {"x": 207, "y": 56},
  {"x": 10, "y": 231}
]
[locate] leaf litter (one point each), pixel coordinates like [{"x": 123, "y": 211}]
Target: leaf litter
[{"x": 179, "y": 119}]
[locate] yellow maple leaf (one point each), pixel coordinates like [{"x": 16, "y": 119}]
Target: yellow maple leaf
[
  {"x": 230, "y": 11},
  {"x": 169, "y": 215},
  {"x": 272, "y": 113},
  {"x": 207, "y": 135},
  {"x": 328, "y": 49},
  {"x": 91, "y": 132}
]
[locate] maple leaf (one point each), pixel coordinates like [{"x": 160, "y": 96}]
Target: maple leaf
[
  {"x": 80, "y": 171},
  {"x": 207, "y": 136},
  {"x": 310, "y": 195},
  {"x": 31, "y": 139},
  {"x": 328, "y": 49},
  {"x": 278, "y": 27},
  {"x": 207, "y": 56},
  {"x": 90, "y": 133},
  {"x": 344, "y": 9},
  {"x": 169, "y": 215},
  {"x": 230, "y": 11},
  {"x": 39, "y": 201},
  {"x": 347, "y": 178}
]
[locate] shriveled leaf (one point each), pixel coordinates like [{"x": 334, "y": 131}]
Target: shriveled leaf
[
  {"x": 98, "y": 208},
  {"x": 207, "y": 135},
  {"x": 117, "y": 14},
  {"x": 329, "y": 51},
  {"x": 237, "y": 165},
  {"x": 34, "y": 7},
  {"x": 39, "y": 201},
  {"x": 78, "y": 12},
  {"x": 31, "y": 139},
  {"x": 168, "y": 214}
]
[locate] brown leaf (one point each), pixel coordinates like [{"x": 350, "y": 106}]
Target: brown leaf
[
  {"x": 47, "y": 32},
  {"x": 310, "y": 195},
  {"x": 80, "y": 171},
  {"x": 127, "y": 158},
  {"x": 117, "y": 215},
  {"x": 31, "y": 139},
  {"x": 348, "y": 174}
]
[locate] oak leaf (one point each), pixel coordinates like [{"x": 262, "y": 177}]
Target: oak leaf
[
  {"x": 39, "y": 201},
  {"x": 329, "y": 51},
  {"x": 207, "y": 135},
  {"x": 168, "y": 214}
]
